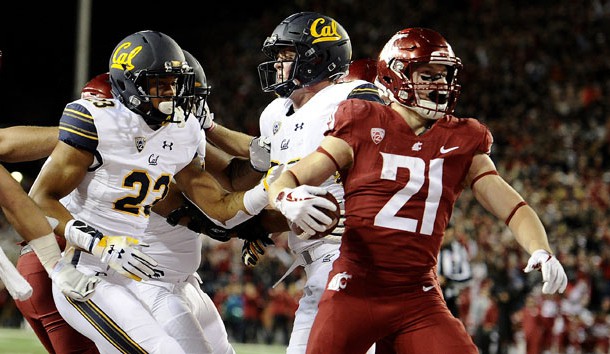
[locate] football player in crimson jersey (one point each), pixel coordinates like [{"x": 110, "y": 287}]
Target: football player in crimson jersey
[{"x": 403, "y": 166}]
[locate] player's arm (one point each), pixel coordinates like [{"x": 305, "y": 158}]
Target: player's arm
[
  {"x": 233, "y": 142},
  {"x": 205, "y": 191},
  {"x": 68, "y": 165},
  {"x": 332, "y": 155},
  {"x": 233, "y": 173},
  {"x": 21, "y": 211},
  {"x": 27, "y": 143},
  {"x": 499, "y": 198}
]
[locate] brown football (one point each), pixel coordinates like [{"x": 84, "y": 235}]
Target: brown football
[{"x": 333, "y": 214}]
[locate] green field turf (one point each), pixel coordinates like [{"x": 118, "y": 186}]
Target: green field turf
[{"x": 19, "y": 341}]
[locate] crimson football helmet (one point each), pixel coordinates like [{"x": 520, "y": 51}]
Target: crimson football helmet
[
  {"x": 201, "y": 90},
  {"x": 396, "y": 65},
  {"x": 139, "y": 61},
  {"x": 98, "y": 87},
  {"x": 361, "y": 69},
  {"x": 323, "y": 52}
]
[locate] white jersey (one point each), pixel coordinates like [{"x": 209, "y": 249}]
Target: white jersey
[
  {"x": 295, "y": 134},
  {"x": 133, "y": 165}
]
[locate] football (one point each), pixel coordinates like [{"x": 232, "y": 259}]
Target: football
[{"x": 333, "y": 214}]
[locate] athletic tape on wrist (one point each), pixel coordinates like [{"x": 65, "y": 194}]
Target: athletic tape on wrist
[{"x": 47, "y": 250}]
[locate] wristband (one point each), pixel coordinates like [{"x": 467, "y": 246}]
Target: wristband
[
  {"x": 255, "y": 200},
  {"x": 82, "y": 235},
  {"x": 47, "y": 250}
]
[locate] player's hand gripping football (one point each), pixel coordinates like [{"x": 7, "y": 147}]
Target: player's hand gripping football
[
  {"x": 554, "y": 278},
  {"x": 301, "y": 206},
  {"x": 120, "y": 253},
  {"x": 73, "y": 283}
]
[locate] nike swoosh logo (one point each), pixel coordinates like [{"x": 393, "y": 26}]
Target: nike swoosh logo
[
  {"x": 444, "y": 151},
  {"x": 427, "y": 288}
]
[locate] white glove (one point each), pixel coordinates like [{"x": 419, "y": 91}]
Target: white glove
[
  {"x": 120, "y": 253},
  {"x": 299, "y": 206},
  {"x": 73, "y": 283},
  {"x": 260, "y": 153},
  {"x": 554, "y": 278},
  {"x": 207, "y": 120}
]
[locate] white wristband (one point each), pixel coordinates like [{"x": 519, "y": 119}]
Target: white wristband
[
  {"x": 47, "y": 250},
  {"x": 77, "y": 237},
  {"x": 255, "y": 200}
]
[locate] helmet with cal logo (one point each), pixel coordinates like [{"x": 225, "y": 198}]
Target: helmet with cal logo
[
  {"x": 323, "y": 52},
  {"x": 139, "y": 61}
]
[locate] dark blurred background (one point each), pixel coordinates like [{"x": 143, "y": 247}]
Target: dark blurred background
[{"x": 536, "y": 72}]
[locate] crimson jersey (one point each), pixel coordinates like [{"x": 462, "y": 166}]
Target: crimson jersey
[{"x": 401, "y": 188}]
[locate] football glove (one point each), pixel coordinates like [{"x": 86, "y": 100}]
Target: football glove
[
  {"x": 300, "y": 206},
  {"x": 554, "y": 278},
  {"x": 207, "y": 121},
  {"x": 72, "y": 283},
  {"x": 197, "y": 221},
  {"x": 260, "y": 153},
  {"x": 252, "y": 251},
  {"x": 118, "y": 252},
  {"x": 121, "y": 254}
]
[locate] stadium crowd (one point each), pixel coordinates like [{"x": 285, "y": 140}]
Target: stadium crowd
[{"x": 537, "y": 74}]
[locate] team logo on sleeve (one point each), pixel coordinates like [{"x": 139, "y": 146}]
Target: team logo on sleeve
[
  {"x": 377, "y": 134},
  {"x": 140, "y": 143}
]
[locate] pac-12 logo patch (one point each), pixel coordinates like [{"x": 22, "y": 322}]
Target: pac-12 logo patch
[
  {"x": 140, "y": 143},
  {"x": 377, "y": 134}
]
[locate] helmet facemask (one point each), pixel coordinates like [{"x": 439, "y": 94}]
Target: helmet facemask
[
  {"x": 271, "y": 73},
  {"x": 431, "y": 95},
  {"x": 145, "y": 81}
]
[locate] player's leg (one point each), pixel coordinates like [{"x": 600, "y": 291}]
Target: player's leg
[
  {"x": 204, "y": 309},
  {"x": 317, "y": 276},
  {"x": 55, "y": 334},
  {"x": 116, "y": 321},
  {"x": 171, "y": 310},
  {"x": 344, "y": 323},
  {"x": 428, "y": 317}
]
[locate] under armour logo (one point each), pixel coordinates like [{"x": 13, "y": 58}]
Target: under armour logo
[
  {"x": 168, "y": 145},
  {"x": 298, "y": 126}
]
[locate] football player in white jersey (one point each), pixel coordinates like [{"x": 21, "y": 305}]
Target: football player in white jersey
[
  {"x": 176, "y": 300},
  {"x": 308, "y": 52},
  {"x": 116, "y": 158}
]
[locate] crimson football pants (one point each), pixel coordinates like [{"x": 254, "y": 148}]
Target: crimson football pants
[{"x": 39, "y": 310}]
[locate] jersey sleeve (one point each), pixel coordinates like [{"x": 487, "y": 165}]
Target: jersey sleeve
[
  {"x": 486, "y": 141},
  {"x": 367, "y": 92},
  {"x": 341, "y": 124},
  {"x": 76, "y": 127}
]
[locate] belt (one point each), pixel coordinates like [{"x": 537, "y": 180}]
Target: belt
[
  {"x": 308, "y": 256},
  {"x": 26, "y": 249}
]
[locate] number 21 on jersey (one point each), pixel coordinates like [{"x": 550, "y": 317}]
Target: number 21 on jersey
[{"x": 417, "y": 171}]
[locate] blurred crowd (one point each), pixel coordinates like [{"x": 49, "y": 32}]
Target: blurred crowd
[{"x": 538, "y": 74}]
